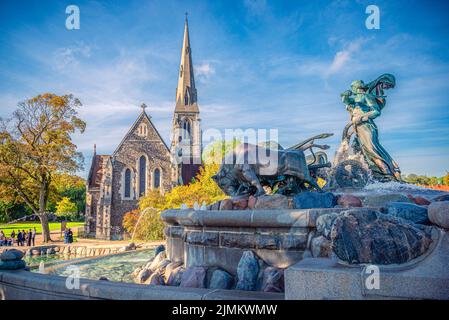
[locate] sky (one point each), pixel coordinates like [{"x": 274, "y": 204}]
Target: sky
[{"x": 258, "y": 64}]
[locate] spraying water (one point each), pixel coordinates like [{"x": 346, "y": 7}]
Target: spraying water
[
  {"x": 42, "y": 267},
  {"x": 342, "y": 153},
  {"x": 144, "y": 212},
  {"x": 347, "y": 152}
]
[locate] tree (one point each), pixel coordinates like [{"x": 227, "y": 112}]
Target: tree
[
  {"x": 433, "y": 181},
  {"x": 146, "y": 223},
  {"x": 411, "y": 178},
  {"x": 446, "y": 179},
  {"x": 202, "y": 189},
  {"x": 35, "y": 144},
  {"x": 66, "y": 207},
  {"x": 70, "y": 186},
  {"x": 130, "y": 220}
]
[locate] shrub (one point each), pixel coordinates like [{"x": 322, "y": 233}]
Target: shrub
[
  {"x": 446, "y": 179},
  {"x": 150, "y": 226},
  {"x": 130, "y": 220},
  {"x": 202, "y": 189}
]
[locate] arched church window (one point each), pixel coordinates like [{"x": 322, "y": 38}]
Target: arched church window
[
  {"x": 142, "y": 130},
  {"x": 187, "y": 97},
  {"x": 186, "y": 129},
  {"x": 127, "y": 183},
  {"x": 142, "y": 175},
  {"x": 157, "y": 179}
]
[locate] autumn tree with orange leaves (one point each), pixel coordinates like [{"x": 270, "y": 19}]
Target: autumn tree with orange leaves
[{"x": 35, "y": 145}]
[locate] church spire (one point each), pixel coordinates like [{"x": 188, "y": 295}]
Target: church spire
[{"x": 186, "y": 96}]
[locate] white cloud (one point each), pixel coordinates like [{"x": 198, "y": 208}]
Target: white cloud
[
  {"x": 204, "y": 70},
  {"x": 111, "y": 91},
  {"x": 64, "y": 57},
  {"x": 319, "y": 66},
  {"x": 344, "y": 56}
]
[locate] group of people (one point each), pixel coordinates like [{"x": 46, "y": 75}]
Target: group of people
[
  {"x": 23, "y": 238},
  {"x": 68, "y": 236},
  {"x": 5, "y": 241}
]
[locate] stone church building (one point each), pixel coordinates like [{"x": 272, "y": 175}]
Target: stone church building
[{"x": 142, "y": 161}]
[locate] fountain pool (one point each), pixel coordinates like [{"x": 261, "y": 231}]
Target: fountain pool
[
  {"x": 34, "y": 261},
  {"x": 116, "y": 267}
]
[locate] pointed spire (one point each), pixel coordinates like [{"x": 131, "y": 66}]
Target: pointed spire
[
  {"x": 186, "y": 97},
  {"x": 95, "y": 149}
]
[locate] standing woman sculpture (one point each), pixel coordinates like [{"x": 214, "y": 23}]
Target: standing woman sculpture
[{"x": 365, "y": 103}]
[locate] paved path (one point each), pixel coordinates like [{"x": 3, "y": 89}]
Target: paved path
[{"x": 57, "y": 240}]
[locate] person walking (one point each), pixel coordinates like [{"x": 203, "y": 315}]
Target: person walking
[{"x": 34, "y": 236}]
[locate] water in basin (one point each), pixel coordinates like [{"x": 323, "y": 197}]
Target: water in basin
[
  {"x": 33, "y": 261},
  {"x": 115, "y": 267}
]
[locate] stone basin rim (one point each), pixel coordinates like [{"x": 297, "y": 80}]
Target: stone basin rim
[
  {"x": 249, "y": 218},
  {"x": 42, "y": 286}
]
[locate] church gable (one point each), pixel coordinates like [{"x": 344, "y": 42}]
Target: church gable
[{"x": 142, "y": 130}]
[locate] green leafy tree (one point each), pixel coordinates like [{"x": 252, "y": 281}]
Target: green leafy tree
[
  {"x": 426, "y": 181},
  {"x": 433, "y": 181},
  {"x": 65, "y": 207},
  {"x": 446, "y": 179},
  {"x": 411, "y": 178},
  {"x": 70, "y": 186}
]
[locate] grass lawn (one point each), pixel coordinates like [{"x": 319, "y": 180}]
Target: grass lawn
[{"x": 54, "y": 226}]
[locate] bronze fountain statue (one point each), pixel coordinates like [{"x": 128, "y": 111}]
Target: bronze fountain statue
[
  {"x": 364, "y": 104},
  {"x": 252, "y": 169}
]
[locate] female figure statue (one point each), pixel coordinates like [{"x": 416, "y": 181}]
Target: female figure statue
[{"x": 365, "y": 103}]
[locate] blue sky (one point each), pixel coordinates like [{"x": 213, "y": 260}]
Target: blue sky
[{"x": 258, "y": 64}]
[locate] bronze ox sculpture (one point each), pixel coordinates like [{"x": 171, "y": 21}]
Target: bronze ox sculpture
[{"x": 249, "y": 169}]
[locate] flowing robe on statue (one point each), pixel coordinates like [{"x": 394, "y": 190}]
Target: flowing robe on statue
[{"x": 363, "y": 109}]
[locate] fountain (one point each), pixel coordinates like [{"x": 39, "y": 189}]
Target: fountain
[
  {"x": 282, "y": 235},
  {"x": 281, "y": 224}
]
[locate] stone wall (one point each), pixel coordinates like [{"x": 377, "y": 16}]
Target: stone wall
[{"x": 92, "y": 197}]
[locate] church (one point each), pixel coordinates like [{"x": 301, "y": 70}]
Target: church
[{"x": 143, "y": 161}]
